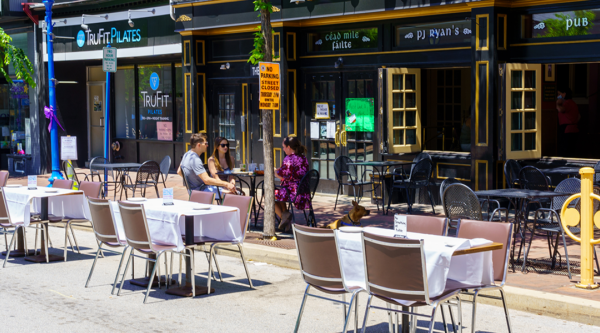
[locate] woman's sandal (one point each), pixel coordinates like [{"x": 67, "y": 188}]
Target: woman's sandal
[{"x": 286, "y": 224}]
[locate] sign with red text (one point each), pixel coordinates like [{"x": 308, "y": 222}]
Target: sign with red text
[{"x": 270, "y": 86}]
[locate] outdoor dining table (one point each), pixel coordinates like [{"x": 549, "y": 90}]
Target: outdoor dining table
[
  {"x": 467, "y": 261},
  {"x": 561, "y": 171},
  {"x": 21, "y": 201},
  {"x": 519, "y": 199},
  {"x": 381, "y": 168},
  {"x": 121, "y": 170},
  {"x": 182, "y": 224}
]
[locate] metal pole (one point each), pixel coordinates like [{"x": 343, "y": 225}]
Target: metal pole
[
  {"x": 107, "y": 126},
  {"x": 56, "y": 174}
]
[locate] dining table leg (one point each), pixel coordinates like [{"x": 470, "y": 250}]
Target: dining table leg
[
  {"x": 405, "y": 320},
  {"x": 186, "y": 290},
  {"x": 44, "y": 256}
]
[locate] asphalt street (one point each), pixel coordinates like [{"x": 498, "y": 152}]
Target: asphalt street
[{"x": 52, "y": 298}]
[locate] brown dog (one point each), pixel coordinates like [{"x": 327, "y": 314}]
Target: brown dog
[{"x": 350, "y": 219}]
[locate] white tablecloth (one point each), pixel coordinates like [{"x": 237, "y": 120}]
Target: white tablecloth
[
  {"x": 474, "y": 268},
  {"x": 22, "y": 202},
  {"x": 167, "y": 223}
]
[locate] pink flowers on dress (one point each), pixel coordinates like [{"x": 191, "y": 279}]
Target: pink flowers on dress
[{"x": 292, "y": 170}]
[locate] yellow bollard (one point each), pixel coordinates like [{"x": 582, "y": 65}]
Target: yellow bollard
[{"x": 570, "y": 217}]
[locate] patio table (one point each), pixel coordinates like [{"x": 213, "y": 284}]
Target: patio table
[
  {"x": 467, "y": 261},
  {"x": 380, "y": 168},
  {"x": 519, "y": 199},
  {"x": 168, "y": 223},
  {"x": 121, "y": 170},
  {"x": 21, "y": 201},
  {"x": 252, "y": 177}
]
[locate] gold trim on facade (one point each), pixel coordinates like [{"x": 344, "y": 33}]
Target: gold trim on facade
[
  {"x": 502, "y": 44},
  {"x": 477, "y": 162},
  {"x": 437, "y": 170},
  {"x": 203, "y": 53},
  {"x": 294, "y": 101},
  {"x": 487, "y": 98},
  {"x": 203, "y": 130},
  {"x": 487, "y": 33}
]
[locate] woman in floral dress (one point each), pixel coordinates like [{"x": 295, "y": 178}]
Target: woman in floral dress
[{"x": 293, "y": 168}]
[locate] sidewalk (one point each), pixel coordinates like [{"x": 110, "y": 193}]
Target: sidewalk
[{"x": 541, "y": 292}]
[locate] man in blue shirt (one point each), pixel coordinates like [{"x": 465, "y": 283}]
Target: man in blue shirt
[{"x": 193, "y": 169}]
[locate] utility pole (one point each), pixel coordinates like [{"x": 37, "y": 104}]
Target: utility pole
[{"x": 56, "y": 174}]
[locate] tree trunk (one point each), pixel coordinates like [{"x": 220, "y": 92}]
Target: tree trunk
[{"x": 269, "y": 184}]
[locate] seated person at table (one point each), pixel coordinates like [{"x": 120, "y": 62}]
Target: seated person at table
[
  {"x": 293, "y": 168},
  {"x": 192, "y": 167},
  {"x": 220, "y": 161}
]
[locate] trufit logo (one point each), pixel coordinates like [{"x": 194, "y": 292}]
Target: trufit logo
[
  {"x": 80, "y": 38},
  {"x": 154, "y": 81}
]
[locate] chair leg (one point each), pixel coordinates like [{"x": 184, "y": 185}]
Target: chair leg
[
  {"x": 444, "y": 323},
  {"x": 125, "y": 272},
  {"x": 347, "y": 319},
  {"x": 302, "y": 308},
  {"x": 156, "y": 265},
  {"x": 336, "y": 197},
  {"x": 112, "y": 292},
  {"x": 567, "y": 253},
  {"x": 505, "y": 310},
  {"x": 93, "y": 266},
  {"x": 408, "y": 201},
  {"x": 432, "y": 322},
  {"x": 391, "y": 322},
  {"x": 66, "y": 238},
  {"x": 217, "y": 264},
  {"x": 74, "y": 238},
  {"x": 364, "y": 328},
  {"x": 596, "y": 259},
  {"x": 473, "y": 316},
  {"x": 430, "y": 199},
  {"x": 12, "y": 240},
  {"x": 245, "y": 266},
  {"x": 526, "y": 253},
  {"x": 210, "y": 270},
  {"x": 5, "y": 238}
]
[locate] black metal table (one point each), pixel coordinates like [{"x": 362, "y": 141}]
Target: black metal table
[
  {"x": 121, "y": 168},
  {"x": 519, "y": 198},
  {"x": 561, "y": 171},
  {"x": 380, "y": 168},
  {"x": 252, "y": 186}
]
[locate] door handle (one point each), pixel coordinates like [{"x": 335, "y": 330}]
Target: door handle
[
  {"x": 343, "y": 137},
  {"x": 337, "y": 136}
]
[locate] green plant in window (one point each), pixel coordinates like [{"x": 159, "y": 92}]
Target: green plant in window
[
  {"x": 565, "y": 25},
  {"x": 12, "y": 55}
]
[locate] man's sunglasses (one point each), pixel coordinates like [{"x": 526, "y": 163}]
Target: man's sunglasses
[{"x": 224, "y": 145}]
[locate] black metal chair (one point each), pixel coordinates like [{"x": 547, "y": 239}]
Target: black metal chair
[
  {"x": 343, "y": 169},
  {"x": 419, "y": 178},
  {"x": 532, "y": 178},
  {"x": 460, "y": 202},
  {"x": 445, "y": 184},
  {"x": 399, "y": 171},
  {"x": 309, "y": 184},
  {"x": 165, "y": 166},
  {"x": 187, "y": 184},
  {"x": 547, "y": 221},
  {"x": 70, "y": 172},
  {"x": 147, "y": 176},
  {"x": 511, "y": 173}
]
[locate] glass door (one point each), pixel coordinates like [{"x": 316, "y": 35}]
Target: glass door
[
  {"x": 227, "y": 102},
  {"x": 325, "y": 125},
  {"x": 95, "y": 97},
  {"x": 359, "y": 136}
]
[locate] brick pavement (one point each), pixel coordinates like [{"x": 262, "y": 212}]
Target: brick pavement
[{"x": 323, "y": 204}]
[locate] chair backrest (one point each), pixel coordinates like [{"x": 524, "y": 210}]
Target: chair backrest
[
  {"x": 495, "y": 232},
  {"x": 69, "y": 171},
  {"x": 419, "y": 158},
  {"x": 421, "y": 173},
  {"x": 569, "y": 185},
  {"x": 341, "y": 168},
  {"x": 532, "y": 178},
  {"x": 147, "y": 172},
  {"x": 63, "y": 183},
  {"x": 165, "y": 165},
  {"x": 511, "y": 172},
  {"x": 202, "y": 197},
  {"x": 447, "y": 182},
  {"x": 187, "y": 185},
  {"x": 4, "y": 217},
  {"x": 102, "y": 220},
  {"x": 135, "y": 226},
  {"x": 395, "y": 267},
  {"x": 597, "y": 169},
  {"x": 99, "y": 160},
  {"x": 244, "y": 204},
  {"x": 459, "y": 201},
  {"x": 3, "y": 178},
  {"x": 317, "y": 253},
  {"x": 309, "y": 183},
  {"x": 431, "y": 225},
  {"x": 91, "y": 189}
]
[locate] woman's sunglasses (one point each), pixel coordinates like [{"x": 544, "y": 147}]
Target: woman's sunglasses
[{"x": 224, "y": 145}]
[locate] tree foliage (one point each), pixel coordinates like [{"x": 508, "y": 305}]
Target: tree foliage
[
  {"x": 12, "y": 55},
  {"x": 258, "y": 53},
  {"x": 557, "y": 27}
]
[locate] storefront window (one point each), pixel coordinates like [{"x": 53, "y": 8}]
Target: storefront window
[
  {"x": 125, "y": 102},
  {"x": 14, "y": 118},
  {"x": 227, "y": 116},
  {"x": 155, "y": 102}
]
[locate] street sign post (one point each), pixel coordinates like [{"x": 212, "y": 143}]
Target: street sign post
[
  {"x": 109, "y": 59},
  {"x": 270, "y": 85}
]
